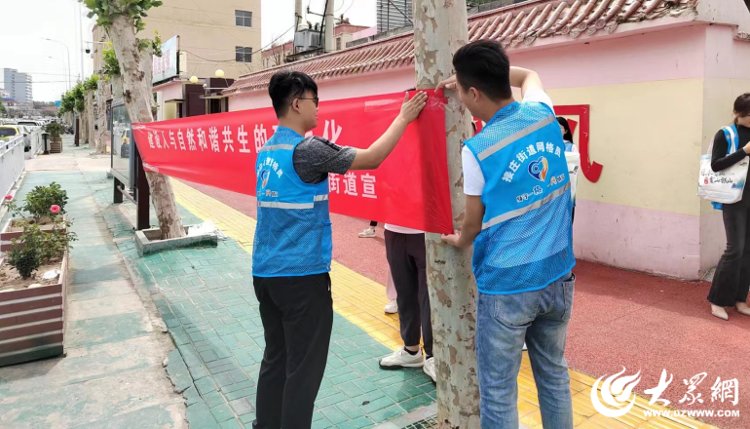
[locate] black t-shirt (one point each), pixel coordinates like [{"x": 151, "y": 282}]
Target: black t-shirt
[
  {"x": 315, "y": 158},
  {"x": 719, "y": 158}
]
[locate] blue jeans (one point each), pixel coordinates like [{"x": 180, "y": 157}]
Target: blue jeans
[{"x": 503, "y": 323}]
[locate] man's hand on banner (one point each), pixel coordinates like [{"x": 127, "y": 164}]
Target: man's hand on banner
[{"x": 411, "y": 109}]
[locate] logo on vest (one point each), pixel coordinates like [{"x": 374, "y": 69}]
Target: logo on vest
[
  {"x": 538, "y": 169},
  {"x": 264, "y": 175}
]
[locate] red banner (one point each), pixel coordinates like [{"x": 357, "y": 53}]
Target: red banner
[
  {"x": 409, "y": 189},
  {"x": 578, "y": 118}
]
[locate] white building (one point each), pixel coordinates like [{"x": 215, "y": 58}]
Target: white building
[{"x": 18, "y": 86}]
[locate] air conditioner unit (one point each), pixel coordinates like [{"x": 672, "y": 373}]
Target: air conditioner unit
[{"x": 307, "y": 39}]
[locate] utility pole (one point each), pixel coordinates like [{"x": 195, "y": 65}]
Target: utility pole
[
  {"x": 328, "y": 24},
  {"x": 440, "y": 28},
  {"x": 297, "y": 15}
]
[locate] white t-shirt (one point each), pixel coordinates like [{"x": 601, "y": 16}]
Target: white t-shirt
[
  {"x": 401, "y": 229},
  {"x": 473, "y": 177}
]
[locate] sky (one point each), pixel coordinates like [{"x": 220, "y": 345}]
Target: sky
[
  {"x": 24, "y": 26},
  {"x": 278, "y": 15},
  {"x": 26, "y": 23}
]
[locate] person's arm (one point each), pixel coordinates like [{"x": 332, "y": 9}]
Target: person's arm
[
  {"x": 719, "y": 158},
  {"x": 474, "y": 210},
  {"x": 373, "y": 156},
  {"x": 527, "y": 80},
  {"x": 519, "y": 77},
  {"x": 472, "y": 225}
]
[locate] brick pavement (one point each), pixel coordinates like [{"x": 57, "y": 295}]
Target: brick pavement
[
  {"x": 112, "y": 375},
  {"x": 206, "y": 299}
]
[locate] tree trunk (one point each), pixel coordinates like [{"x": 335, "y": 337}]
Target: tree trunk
[
  {"x": 82, "y": 125},
  {"x": 137, "y": 96},
  {"x": 117, "y": 88},
  {"x": 90, "y": 119},
  {"x": 440, "y": 28},
  {"x": 101, "y": 117}
]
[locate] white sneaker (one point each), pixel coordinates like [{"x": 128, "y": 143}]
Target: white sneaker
[
  {"x": 368, "y": 232},
  {"x": 391, "y": 307},
  {"x": 429, "y": 368},
  {"x": 402, "y": 359}
]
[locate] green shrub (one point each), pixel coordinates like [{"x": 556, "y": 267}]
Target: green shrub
[
  {"x": 54, "y": 129},
  {"x": 36, "y": 247},
  {"x": 26, "y": 254},
  {"x": 41, "y": 198}
]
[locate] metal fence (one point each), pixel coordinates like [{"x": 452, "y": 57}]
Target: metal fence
[
  {"x": 11, "y": 163},
  {"x": 34, "y": 142}
]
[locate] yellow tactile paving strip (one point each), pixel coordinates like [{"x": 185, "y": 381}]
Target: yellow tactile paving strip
[{"x": 361, "y": 300}]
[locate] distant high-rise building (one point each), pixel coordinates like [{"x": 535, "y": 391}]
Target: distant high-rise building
[
  {"x": 394, "y": 14},
  {"x": 18, "y": 86}
]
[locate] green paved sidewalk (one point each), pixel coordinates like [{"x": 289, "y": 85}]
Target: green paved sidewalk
[
  {"x": 206, "y": 299},
  {"x": 112, "y": 375}
]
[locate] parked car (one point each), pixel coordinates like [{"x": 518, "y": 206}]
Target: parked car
[
  {"x": 7, "y": 132},
  {"x": 29, "y": 123}
]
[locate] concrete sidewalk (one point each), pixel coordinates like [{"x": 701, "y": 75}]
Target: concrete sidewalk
[{"x": 112, "y": 375}]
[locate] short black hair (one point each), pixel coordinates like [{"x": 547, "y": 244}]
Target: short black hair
[
  {"x": 287, "y": 85},
  {"x": 484, "y": 65},
  {"x": 742, "y": 104},
  {"x": 567, "y": 135}
]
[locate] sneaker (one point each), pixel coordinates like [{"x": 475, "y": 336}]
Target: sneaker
[
  {"x": 391, "y": 307},
  {"x": 429, "y": 368},
  {"x": 402, "y": 359},
  {"x": 368, "y": 232}
]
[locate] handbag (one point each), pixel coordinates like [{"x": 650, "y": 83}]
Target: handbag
[{"x": 725, "y": 186}]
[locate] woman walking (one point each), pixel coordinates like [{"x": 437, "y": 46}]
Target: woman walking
[{"x": 732, "y": 277}]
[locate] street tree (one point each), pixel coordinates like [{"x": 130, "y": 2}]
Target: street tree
[
  {"x": 440, "y": 28},
  {"x": 3, "y": 110},
  {"x": 87, "y": 124},
  {"x": 122, "y": 19}
]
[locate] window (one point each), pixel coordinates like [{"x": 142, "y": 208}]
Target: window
[
  {"x": 243, "y": 54},
  {"x": 243, "y": 18},
  {"x": 338, "y": 43}
]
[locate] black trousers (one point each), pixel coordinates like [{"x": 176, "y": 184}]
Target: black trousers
[
  {"x": 297, "y": 315},
  {"x": 408, "y": 262},
  {"x": 732, "y": 278}
]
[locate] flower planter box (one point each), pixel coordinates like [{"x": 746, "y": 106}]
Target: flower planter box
[
  {"x": 55, "y": 145},
  {"x": 32, "y": 321},
  {"x": 7, "y": 237}
]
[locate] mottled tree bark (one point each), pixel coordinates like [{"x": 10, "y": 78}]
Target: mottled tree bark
[
  {"x": 440, "y": 28},
  {"x": 90, "y": 114},
  {"x": 137, "y": 96},
  {"x": 102, "y": 95}
]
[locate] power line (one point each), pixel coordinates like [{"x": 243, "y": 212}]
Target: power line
[
  {"x": 274, "y": 40},
  {"x": 400, "y": 11}
]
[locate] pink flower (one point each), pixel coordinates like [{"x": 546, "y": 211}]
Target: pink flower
[
  {"x": 8, "y": 197},
  {"x": 54, "y": 208}
]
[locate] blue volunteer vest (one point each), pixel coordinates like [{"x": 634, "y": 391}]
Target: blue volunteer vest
[
  {"x": 293, "y": 233},
  {"x": 733, "y": 145},
  {"x": 526, "y": 239}
]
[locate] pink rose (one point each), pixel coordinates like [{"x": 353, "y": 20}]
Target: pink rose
[{"x": 54, "y": 208}]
